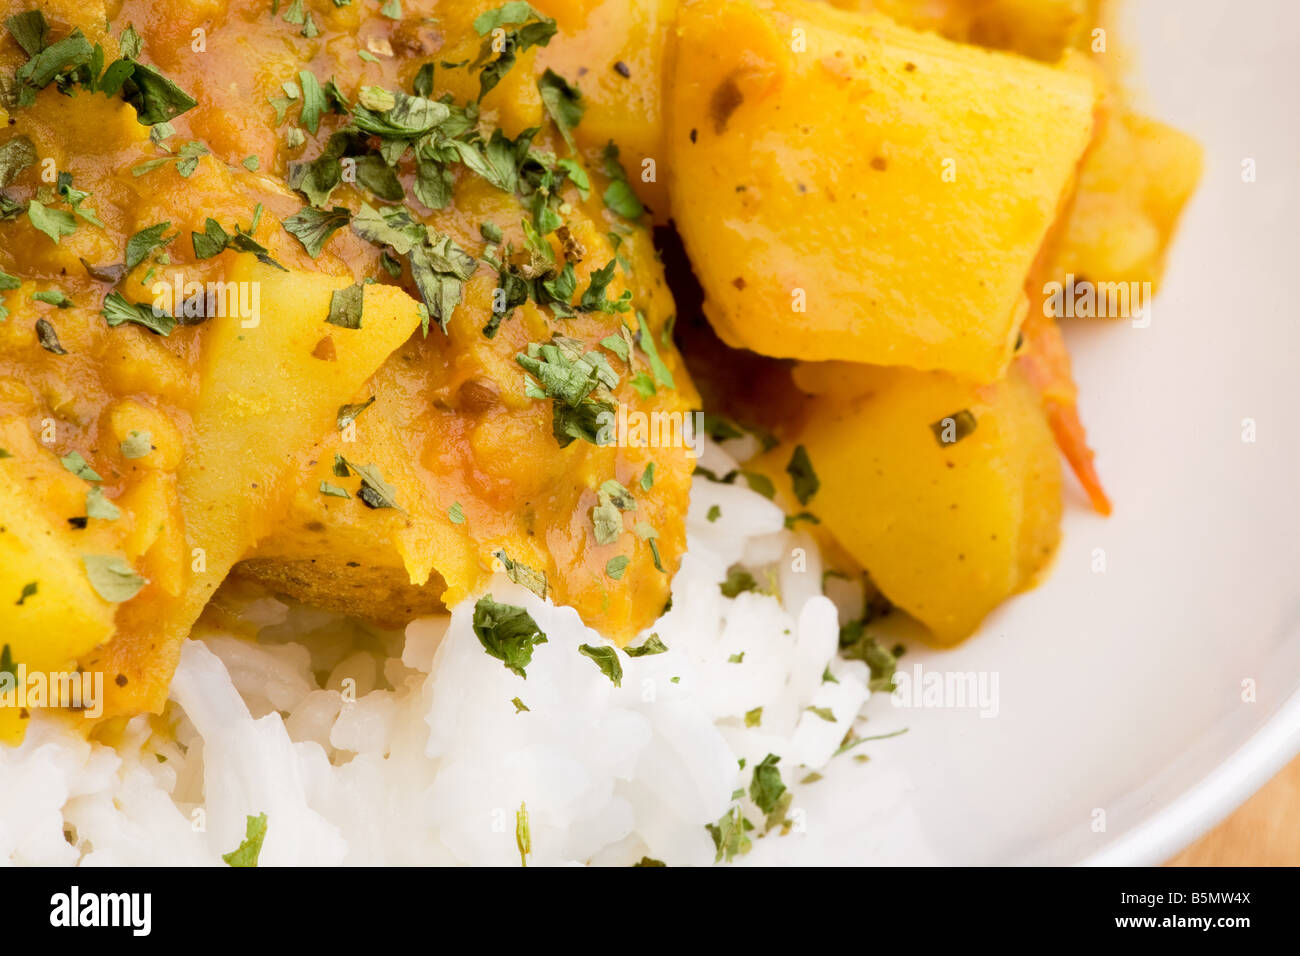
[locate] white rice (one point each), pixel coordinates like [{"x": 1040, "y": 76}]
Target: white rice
[{"x": 434, "y": 767}]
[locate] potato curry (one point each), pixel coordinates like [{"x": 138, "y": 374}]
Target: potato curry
[{"x": 341, "y": 296}]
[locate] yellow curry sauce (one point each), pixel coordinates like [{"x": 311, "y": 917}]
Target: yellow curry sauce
[
  {"x": 340, "y": 443},
  {"x": 334, "y": 295}
]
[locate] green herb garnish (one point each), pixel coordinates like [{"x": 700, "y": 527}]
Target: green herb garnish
[
  {"x": 346, "y": 307},
  {"x": 250, "y": 848},
  {"x": 118, "y": 311},
  {"x": 650, "y": 646},
  {"x": 802, "y": 476},
  {"x": 731, "y": 835},
  {"x": 953, "y": 428},
  {"x": 563, "y": 102},
  {"x": 507, "y": 632},
  {"x": 606, "y": 658},
  {"x": 522, "y": 574},
  {"x": 112, "y": 578},
  {"x": 619, "y": 195}
]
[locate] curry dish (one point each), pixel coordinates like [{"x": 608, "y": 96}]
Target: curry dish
[{"x": 341, "y": 298}]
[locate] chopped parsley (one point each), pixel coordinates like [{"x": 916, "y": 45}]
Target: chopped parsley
[
  {"x": 118, "y": 311},
  {"x": 73, "y": 61},
  {"x": 374, "y": 493},
  {"x": 348, "y": 413},
  {"x": 49, "y": 338},
  {"x": 768, "y": 791},
  {"x": 523, "y": 839},
  {"x": 655, "y": 555},
  {"x": 214, "y": 240},
  {"x": 852, "y": 740},
  {"x": 53, "y": 297},
  {"x": 55, "y": 223},
  {"x": 313, "y": 101},
  {"x": 792, "y": 520},
  {"x": 313, "y": 227},
  {"x": 507, "y": 632},
  {"x": 98, "y": 506},
  {"x": 606, "y": 658},
  {"x": 563, "y": 102},
  {"x": 857, "y": 645},
  {"x": 439, "y": 267},
  {"x": 731, "y": 836},
  {"x": 568, "y": 376},
  {"x": 334, "y": 491},
  {"x": 594, "y": 298},
  {"x": 250, "y": 848},
  {"x": 802, "y": 476},
  {"x": 619, "y": 195},
  {"x": 953, "y": 428},
  {"x": 186, "y": 160},
  {"x": 606, "y": 519},
  {"x": 112, "y": 578},
  {"x": 76, "y": 198},
  {"x": 522, "y": 574},
  {"x": 647, "y": 343},
  {"x": 75, "y": 463},
  {"x": 15, "y": 155},
  {"x": 146, "y": 241},
  {"x": 737, "y": 582},
  {"x": 346, "y": 307},
  {"x": 619, "y": 346},
  {"x": 532, "y": 29},
  {"x": 652, "y": 645}
]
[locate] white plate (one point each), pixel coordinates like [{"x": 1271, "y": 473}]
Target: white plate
[{"x": 1121, "y": 692}]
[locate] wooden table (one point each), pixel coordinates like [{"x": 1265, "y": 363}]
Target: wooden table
[{"x": 1265, "y": 831}]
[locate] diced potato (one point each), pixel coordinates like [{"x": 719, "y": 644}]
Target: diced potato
[
  {"x": 1132, "y": 190},
  {"x": 451, "y": 425},
  {"x": 618, "y": 53},
  {"x": 1042, "y": 29},
  {"x": 264, "y": 400},
  {"x": 947, "y": 531},
  {"x": 64, "y": 618},
  {"x": 851, "y": 189},
  {"x": 49, "y": 613}
]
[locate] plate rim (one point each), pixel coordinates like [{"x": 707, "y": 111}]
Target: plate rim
[{"x": 1168, "y": 830}]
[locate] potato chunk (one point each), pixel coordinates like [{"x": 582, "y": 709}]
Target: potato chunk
[
  {"x": 264, "y": 399},
  {"x": 49, "y": 613},
  {"x": 475, "y": 464},
  {"x": 1132, "y": 190},
  {"x": 848, "y": 188},
  {"x": 946, "y": 529},
  {"x": 619, "y": 52},
  {"x": 1042, "y": 29}
]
